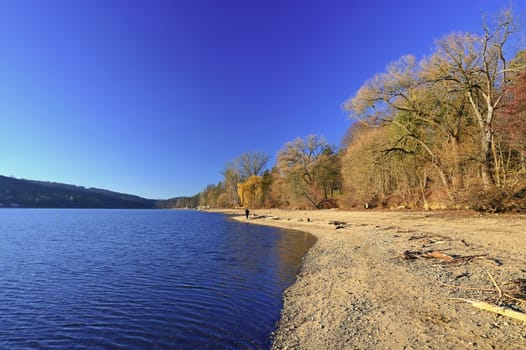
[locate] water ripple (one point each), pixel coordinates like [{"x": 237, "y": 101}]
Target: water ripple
[{"x": 102, "y": 279}]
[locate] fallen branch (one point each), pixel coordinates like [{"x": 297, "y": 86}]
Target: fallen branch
[
  {"x": 495, "y": 284},
  {"x": 446, "y": 258},
  {"x": 338, "y": 224},
  {"x": 468, "y": 288},
  {"x": 516, "y": 299},
  {"x": 408, "y": 255},
  {"x": 255, "y": 217},
  {"x": 501, "y": 310},
  {"x": 438, "y": 255}
]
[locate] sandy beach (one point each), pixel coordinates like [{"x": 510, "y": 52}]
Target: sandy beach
[{"x": 400, "y": 280}]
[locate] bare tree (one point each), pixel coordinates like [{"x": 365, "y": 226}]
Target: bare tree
[
  {"x": 448, "y": 99},
  {"x": 401, "y": 98},
  {"x": 477, "y": 66},
  {"x": 240, "y": 170},
  {"x": 231, "y": 181},
  {"x": 251, "y": 164},
  {"x": 310, "y": 168}
]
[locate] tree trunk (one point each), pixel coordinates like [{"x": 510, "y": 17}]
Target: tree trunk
[
  {"x": 486, "y": 139},
  {"x": 487, "y": 169}
]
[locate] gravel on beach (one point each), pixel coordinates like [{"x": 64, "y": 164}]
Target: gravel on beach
[{"x": 399, "y": 280}]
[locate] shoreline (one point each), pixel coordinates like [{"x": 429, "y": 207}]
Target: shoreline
[{"x": 369, "y": 282}]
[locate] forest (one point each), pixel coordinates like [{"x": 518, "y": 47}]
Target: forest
[
  {"x": 447, "y": 131},
  {"x": 23, "y": 193}
]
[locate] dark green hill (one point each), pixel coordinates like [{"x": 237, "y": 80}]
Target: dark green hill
[
  {"x": 39, "y": 194},
  {"x": 179, "y": 202}
]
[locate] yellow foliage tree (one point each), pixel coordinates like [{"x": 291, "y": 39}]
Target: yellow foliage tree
[{"x": 250, "y": 192}]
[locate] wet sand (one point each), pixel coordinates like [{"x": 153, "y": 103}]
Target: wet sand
[{"x": 395, "y": 280}]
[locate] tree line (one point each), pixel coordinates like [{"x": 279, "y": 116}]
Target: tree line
[{"x": 447, "y": 131}]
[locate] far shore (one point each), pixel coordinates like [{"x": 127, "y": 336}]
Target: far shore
[{"x": 399, "y": 279}]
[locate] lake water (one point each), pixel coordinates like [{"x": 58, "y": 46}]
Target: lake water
[{"x": 141, "y": 279}]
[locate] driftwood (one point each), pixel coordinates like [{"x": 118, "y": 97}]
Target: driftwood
[
  {"x": 518, "y": 289},
  {"x": 430, "y": 237},
  {"x": 446, "y": 258},
  {"x": 468, "y": 288},
  {"x": 495, "y": 284},
  {"x": 438, "y": 255},
  {"x": 255, "y": 217},
  {"x": 433, "y": 239},
  {"x": 408, "y": 255},
  {"x": 501, "y": 310},
  {"x": 338, "y": 224},
  {"x": 511, "y": 294}
]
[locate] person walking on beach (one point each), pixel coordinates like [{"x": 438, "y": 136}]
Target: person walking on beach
[{"x": 247, "y": 212}]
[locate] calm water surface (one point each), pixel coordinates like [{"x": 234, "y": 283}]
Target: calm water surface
[{"x": 141, "y": 279}]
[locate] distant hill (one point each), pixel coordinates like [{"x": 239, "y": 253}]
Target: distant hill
[
  {"x": 40, "y": 194},
  {"x": 179, "y": 202}
]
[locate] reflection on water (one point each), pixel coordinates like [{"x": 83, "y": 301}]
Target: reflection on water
[{"x": 141, "y": 279}]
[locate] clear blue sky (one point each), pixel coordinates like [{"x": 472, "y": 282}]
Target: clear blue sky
[{"x": 154, "y": 97}]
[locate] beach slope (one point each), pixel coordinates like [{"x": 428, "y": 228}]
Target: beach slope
[{"x": 399, "y": 280}]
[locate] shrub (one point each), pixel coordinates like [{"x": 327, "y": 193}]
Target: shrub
[{"x": 497, "y": 200}]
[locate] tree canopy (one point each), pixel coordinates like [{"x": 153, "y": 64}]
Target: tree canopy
[{"x": 445, "y": 131}]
